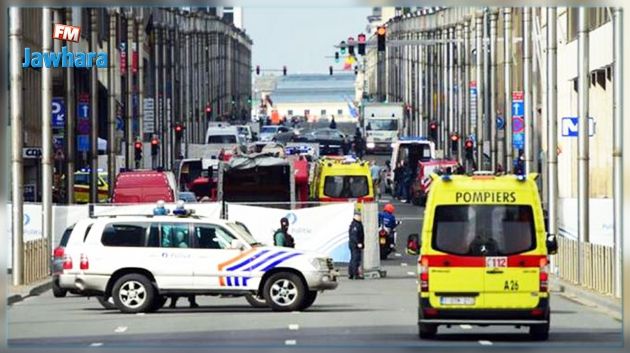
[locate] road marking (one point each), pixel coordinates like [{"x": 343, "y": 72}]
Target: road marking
[
  {"x": 466, "y": 327},
  {"x": 140, "y": 314},
  {"x": 411, "y": 273},
  {"x": 290, "y": 342},
  {"x": 485, "y": 343},
  {"x": 294, "y": 327},
  {"x": 120, "y": 329},
  {"x": 295, "y": 312},
  {"x": 96, "y": 344},
  {"x": 397, "y": 254},
  {"x": 403, "y": 264}
]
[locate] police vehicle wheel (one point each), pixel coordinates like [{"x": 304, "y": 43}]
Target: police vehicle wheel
[
  {"x": 58, "y": 292},
  {"x": 284, "y": 291},
  {"x": 309, "y": 299},
  {"x": 106, "y": 302},
  {"x": 426, "y": 331},
  {"x": 133, "y": 293},
  {"x": 539, "y": 332},
  {"x": 256, "y": 301}
]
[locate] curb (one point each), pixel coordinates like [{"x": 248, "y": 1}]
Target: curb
[
  {"x": 610, "y": 305},
  {"x": 35, "y": 290}
]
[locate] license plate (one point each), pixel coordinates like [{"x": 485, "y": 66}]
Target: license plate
[
  {"x": 383, "y": 241},
  {"x": 496, "y": 261},
  {"x": 457, "y": 300}
]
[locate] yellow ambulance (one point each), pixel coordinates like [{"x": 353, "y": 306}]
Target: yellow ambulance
[
  {"x": 483, "y": 254},
  {"x": 340, "y": 179}
]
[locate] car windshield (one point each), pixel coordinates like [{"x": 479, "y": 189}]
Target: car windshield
[
  {"x": 221, "y": 139},
  {"x": 383, "y": 124},
  {"x": 346, "y": 186},
  {"x": 242, "y": 130},
  {"x": 269, "y": 129},
  {"x": 243, "y": 233},
  {"x": 483, "y": 230}
]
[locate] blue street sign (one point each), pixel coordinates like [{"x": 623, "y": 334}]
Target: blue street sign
[
  {"x": 120, "y": 124},
  {"x": 83, "y": 142},
  {"x": 518, "y": 141},
  {"x": 500, "y": 122},
  {"x": 518, "y": 108},
  {"x": 83, "y": 110},
  {"x": 570, "y": 126},
  {"x": 58, "y": 112}
]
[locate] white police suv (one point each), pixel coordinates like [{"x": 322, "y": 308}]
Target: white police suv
[{"x": 140, "y": 260}]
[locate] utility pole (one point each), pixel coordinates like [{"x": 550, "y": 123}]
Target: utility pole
[
  {"x": 17, "y": 141},
  {"x": 70, "y": 121},
  {"x": 552, "y": 121},
  {"x": 111, "y": 95},
  {"x": 156, "y": 82},
  {"x": 480, "y": 88},
  {"x": 188, "y": 83},
  {"x": 166, "y": 95},
  {"x": 47, "y": 160},
  {"x": 461, "y": 91},
  {"x": 140, "y": 50},
  {"x": 129, "y": 76},
  {"x": 492, "y": 114},
  {"x": 527, "y": 91},
  {"x": 451, "y": 99},
  {"x": 583, "y": 153},
  {"x": 618, "y": 144},
  {"x": 94, "y": 114},
  {"x": 507, "y": 88}
]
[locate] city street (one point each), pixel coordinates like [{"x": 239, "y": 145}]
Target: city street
[{"x": 375, "y": 312}]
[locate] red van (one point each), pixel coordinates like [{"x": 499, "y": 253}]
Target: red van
[{"x": 141, "y": 186}]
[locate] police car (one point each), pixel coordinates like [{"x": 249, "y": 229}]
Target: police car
[
  {"x": 139, "y": 260},
  {"x": 483, "y": 254}
]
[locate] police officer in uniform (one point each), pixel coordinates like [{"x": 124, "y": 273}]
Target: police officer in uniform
[{"x": 355, "y": 242}]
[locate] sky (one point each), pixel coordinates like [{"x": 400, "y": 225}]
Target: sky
[{"x": 300, "y": 38}]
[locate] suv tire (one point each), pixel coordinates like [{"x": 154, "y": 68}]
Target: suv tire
[
  {"x": 309, "y": 299},
  {"x": 58, "y": 292},
  {"x": 106, "y": 302},
  {"x": 256, "y": 301},
  {"x": 133, "y": 293},
  {"x": 285, "y": 291}
]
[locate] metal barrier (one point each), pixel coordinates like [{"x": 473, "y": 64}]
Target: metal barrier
[
  {"x": 597, "y": 273},
  {"x": 36, "y": 260}
]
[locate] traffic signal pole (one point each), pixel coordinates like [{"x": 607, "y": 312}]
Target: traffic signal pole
[
  {"x": 46, "y": 105},
  {"x": 111, "y": 97},
  {"x": 480, "y": 88},
  {"x": 493, "y": 90},
  {"x": 507, "y": 82}
]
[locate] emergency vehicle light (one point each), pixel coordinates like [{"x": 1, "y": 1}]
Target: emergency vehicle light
[
  {"x": 446, "y": 177},
  {"x": 521, "y": 178}
]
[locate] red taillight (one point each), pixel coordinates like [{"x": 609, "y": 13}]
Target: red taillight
[
  {"x": 84, "y": 264},
  {"x": 424, "y": 275},
  {"x": 430, "y": 311},
  {"x": 544, "y": 276},
  {"x": 59, "y": 252},
  {"x": 537, "y": 312},
  {"x": 67, "y": 262}
]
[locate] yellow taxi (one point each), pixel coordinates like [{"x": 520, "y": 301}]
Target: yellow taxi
[
  {"x": 82, "y": 186},
  {"x": 341, "y": 179},
  {"x": 483, "y": 254}
]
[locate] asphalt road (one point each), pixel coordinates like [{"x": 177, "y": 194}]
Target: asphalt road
[{"x": 379, "y": 313}]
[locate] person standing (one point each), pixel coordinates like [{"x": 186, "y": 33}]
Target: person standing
[
  {"x": 333, "y": 124},
  {"x": 375, "y": 170},
  {"x": 282, "y": 237},
  {"x": 355, "y": 242},
  {"x": 398, "y": 180},
  {"x": 406, "y": 181}
]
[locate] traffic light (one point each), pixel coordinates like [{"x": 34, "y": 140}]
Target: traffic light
[
  {"x": 342, "y": 47},
  {"x": 330, "y": 69},
  {"x": 179, "y": 129},
  {"x": 454, "y": 142},
  {"x": 356, "y": 70},
  {"x": 361, "y": 46},
  {"x": 138, "y": 148},
  {"x": 433, "y": 127},
  {"x": 155, "y": 145},
  {"x": 257, "y": 69},
  {"x": 468, "y": 147},
  {"x": 351, "y": 45},
  {"x": 284, "y": 71},
  {"x": 336, "y": 56},
  {"x": 380, "y": 33},
  {"x": 208, "y": 112}
]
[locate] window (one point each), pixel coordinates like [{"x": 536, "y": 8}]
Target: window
[
  {"x": 82, "y": 179},
  {"x": 211, "y": 237},
  {"x": 175, "y": 235},
  {"x": 484, "y": 230},
  {"x": 339, "y": 111},
  {"x": 66, "y": 236},
  {"x": 289, "y": 112},
  {"x": 129, "y": 235},
  {"x": 382, "y": 124},
  {"x": 346, "y": 186},
  {"x": 222, "y": 139},
  {"x": 323, "y": 112}
]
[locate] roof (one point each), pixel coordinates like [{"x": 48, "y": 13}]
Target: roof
[{"x": 254, "y": 160}]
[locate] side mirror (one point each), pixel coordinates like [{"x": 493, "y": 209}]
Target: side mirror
[
  {"x": 552, "y": 245},
  {"x": 237, "y": 244},
  {"x": 413, "y": 244}
]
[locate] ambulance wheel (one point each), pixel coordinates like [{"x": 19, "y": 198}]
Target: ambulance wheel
[
  {"x": 539, "y": 332},
  {"x": 133, "y": 293},
  {"x": 309, "y": 299},
  {"x": 427, "y": 331},
  {"x": 285, "y": 291},
  {"x": 256, "y": 301}
]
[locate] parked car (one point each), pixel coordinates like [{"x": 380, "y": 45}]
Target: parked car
[
  {"x": 268, "y": 132},
  {"x": 331, "y": 141}
]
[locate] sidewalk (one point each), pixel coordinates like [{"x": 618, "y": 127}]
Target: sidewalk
[
  {"x": 608, "y": 304},
  {"x": 19, "y": 293}
]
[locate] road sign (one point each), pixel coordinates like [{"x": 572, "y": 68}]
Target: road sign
[
  {"x": 518, "y": 141},
  {"x": 83, "y": 110},
  {"x": 83, "y": 143},
  {"x": 569, "y": 126},
  {"x": 500, "y": 123},
  {"x": 120, "y": 124},
  {"x": 58, "y": 112},
  {"x": 83, "y": 126},
  {"x": 518, "y": 125},
  {"x": 473, "y": 105},
  {"x": 517, "y": 95}
]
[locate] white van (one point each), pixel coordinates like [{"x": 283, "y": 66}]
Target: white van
[
  {"x": 224, "y": 135},
  {"x": 139, "y": 260},
  {"x": 412, "y": 150}
]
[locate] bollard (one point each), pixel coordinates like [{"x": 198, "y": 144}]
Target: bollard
[{"x": 371, "y": 256}]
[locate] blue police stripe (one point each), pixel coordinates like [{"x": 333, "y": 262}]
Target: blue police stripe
[
  {"x": 261, "y": 263},
  {"x": 275, "y": 263},
  {"x": 229, "y": 281},
  {"x": 235, "y": 281},
  {"x": 247, "y": 261}
]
